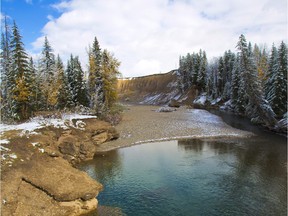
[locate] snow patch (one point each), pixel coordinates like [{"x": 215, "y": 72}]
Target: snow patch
[
  {"x": 4, "y": 141},
  {"x": 35, "y": 144},
  {"x": 40, "y": 122},
  {"x": 200, "y": 100}
]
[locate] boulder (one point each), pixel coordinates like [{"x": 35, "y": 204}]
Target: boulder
[
  {"x": 174, "y": 103},
  {"x": 57, "y": 178}
]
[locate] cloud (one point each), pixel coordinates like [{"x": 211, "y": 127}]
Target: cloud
[
  {"x": 29, "y": 1},
  {"x": 148, "y": 36}
]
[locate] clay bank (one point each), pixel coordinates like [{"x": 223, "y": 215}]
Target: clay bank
[{"x": 38, "y": 175}]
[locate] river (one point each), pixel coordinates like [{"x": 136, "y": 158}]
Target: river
[{"x": 235, "y": 176}]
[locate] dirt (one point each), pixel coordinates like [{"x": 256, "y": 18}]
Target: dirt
[{"x": 37, "y": 173}]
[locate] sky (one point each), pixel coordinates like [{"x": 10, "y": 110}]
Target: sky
[{"x": 146, "y": 36}]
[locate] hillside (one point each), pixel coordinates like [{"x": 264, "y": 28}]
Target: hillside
[{"x": 156, "y": 89}]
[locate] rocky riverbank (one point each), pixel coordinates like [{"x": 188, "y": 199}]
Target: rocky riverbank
[
  {"x": 37, "y": 173},
  {"x": 141, "y": 124},
  {"x": 38, "y": 177}
]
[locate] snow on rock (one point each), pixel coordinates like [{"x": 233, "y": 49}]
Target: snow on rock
[
  {"x": 29, "y": 127},
  {"x": 165, "y": 109},
  {"x": 4, "y": 141},
  {"x": 227, "y": 105},
  {"x": 200, "y": 100}
]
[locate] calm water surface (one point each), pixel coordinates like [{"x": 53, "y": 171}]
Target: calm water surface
[{"x": 196, "y": 177}]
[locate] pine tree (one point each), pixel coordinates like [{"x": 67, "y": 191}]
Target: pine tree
[
  {"x": 276, "y": 85},
  {"x": 235, "y": 86},
  {"x": 64, "y": 99},
  {"x": 47, "y": 74},
  {"x": 257, "y": 108},
  {"x": 34, "y": 86},
  {"x": 95, "y": 76},
  {"x": 19, "y": 78},
  {"x": 76, "y": 83},
  {"x": 202, "y": 72},
  {"x": 4, "y": 67}
]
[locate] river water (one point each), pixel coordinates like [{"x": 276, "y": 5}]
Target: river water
[{"x": 196, "y": 177}]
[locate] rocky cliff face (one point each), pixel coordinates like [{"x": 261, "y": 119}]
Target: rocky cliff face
[{"x": 157, "y": 89}]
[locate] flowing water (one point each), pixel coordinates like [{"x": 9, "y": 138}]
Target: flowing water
[{"x": 196, "y": 177}]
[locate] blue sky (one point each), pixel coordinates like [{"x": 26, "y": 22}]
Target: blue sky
[
  {"x": 30, "y": 16},
  {"x": 147, "y": 36}
]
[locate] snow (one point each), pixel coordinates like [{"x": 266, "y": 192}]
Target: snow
[
  {"x": 40, "y": 122},
  {"x": 200, "y": 100},
  {"x": 29, "y": 127},
  {"x": 34, "y": 144},
  {"x": 4, "y": 141}
]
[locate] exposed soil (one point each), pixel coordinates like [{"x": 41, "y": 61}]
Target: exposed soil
[{"x": 37, "y": 173}]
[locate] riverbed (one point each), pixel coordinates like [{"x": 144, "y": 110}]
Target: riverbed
[
  {"x": 143, "y": 124},
  {"x": 226, "y": 172}
]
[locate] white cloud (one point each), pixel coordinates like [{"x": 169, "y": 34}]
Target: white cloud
[
  {"x": 148, "y": 36},
  {"x": 29, "y": 1}
]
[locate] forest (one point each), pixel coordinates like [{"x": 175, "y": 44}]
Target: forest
[
  {"x": 28, "y": 87},
  {"x": 251, "y": 82}
]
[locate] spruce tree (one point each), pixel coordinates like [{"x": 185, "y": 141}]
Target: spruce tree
[
  {"x": 257, "y": 108},
  {"x": 94, "y": 76},
  {"x": 19, "y": 79},
  {"x": 202, "y": 72},
  {"x": 276, "y": 85},
  {"x": 64, "y": 99},
  {"x": 76, "y": 83},
  {"x": 47, "y": 74}
]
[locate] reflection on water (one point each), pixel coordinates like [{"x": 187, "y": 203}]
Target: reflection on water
[{"x": 195, "y": 177}]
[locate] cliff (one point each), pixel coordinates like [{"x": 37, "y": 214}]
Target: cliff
[{"x": 153, "y": 89}]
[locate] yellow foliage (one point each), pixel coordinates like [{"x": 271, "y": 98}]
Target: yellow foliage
[{"x": 21, "y": 91}]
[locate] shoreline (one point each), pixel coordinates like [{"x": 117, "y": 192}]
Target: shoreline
[
  {"x": 44, "y": 161},
  {"x": 142, "y": 124}
]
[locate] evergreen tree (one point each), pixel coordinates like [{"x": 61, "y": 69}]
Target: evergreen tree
[
  {"x": 5, "y": 59},
  {"x": 235, "y": 86},
  {"x": 76, "y": 83},
  {"x": 19, "y": 79},
  {"x": 95, "y": 76},
  {"x": 202, "y": 72},
  {"x": 34, "y": 87},
  {"x": 47, "y": 75},
  {"x": 257, "y": 108},
  {"x": 64, "y": 99},
  {"x": 276, "y": 86}
]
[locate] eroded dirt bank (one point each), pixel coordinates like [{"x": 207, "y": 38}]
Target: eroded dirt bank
[
  {"x": 142, "y": 124},
  {"x": 37, "y": 173}
]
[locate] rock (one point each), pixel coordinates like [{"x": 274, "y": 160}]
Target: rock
[
  {"x": 174, "y": 103},
  {"x": 165, "y": 109},
  {"x": 100, "y": 138},
  {"x": 68, "y": 145},
  {"x": 56, "y": 177}
]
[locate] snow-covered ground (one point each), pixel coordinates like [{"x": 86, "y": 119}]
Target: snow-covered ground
[{"x": 38, "y": 122}]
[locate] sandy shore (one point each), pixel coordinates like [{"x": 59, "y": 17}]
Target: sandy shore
[{"x": 143, "y": 124}]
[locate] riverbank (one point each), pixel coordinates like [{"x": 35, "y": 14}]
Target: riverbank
[
  {"x": 141, "y": 124},
  {"x": 37, "y": 173},
  {"x": 37, "y": 158}
]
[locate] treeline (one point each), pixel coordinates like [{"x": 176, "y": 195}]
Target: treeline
[
  {"x": 27, "y": 87},
  {"x": 251, "y": 82}
]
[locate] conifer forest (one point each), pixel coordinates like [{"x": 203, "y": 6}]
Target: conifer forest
[
  {"x": 252, "y": 81},
  {"x": 47, "y": 85}
]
